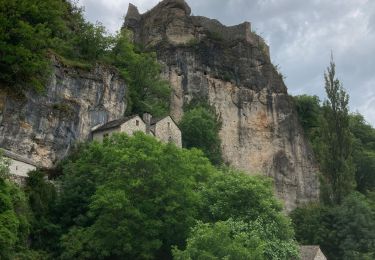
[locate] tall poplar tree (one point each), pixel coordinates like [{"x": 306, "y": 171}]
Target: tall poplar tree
[{"x": 336, "y": 154}]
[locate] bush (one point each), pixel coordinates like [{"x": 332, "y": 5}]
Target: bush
[
  {"x": 200, "y": 129},
  {"x": 230, "y": 240}
]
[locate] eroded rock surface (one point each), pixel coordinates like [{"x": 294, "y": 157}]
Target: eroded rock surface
[
  {"x": 230, "y": 67},
  {"x": 43, "y": 127}
]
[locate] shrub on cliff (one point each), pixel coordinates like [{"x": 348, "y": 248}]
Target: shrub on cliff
[
  {"x": 32, "y": 29},
  {"x": 29, "y": 28},
  {"x": 200, "y": 129},
  {"x": 147, "y": 91}
]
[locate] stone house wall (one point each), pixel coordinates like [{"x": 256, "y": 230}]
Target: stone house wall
[
  {"x": 320, "y": 256},
  {"x": 133, "y": 125},
  {"x": 19, "y": 168},
  {"x": 99, "y": 136},
  {"x": 167, "y": 131}
]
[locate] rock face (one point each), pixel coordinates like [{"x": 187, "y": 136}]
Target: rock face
[
  {"x": 43, "y": 127},
  {"x": 230, "y": 68}
]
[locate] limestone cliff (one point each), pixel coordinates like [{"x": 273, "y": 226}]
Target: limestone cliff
[
  {"x": 43, "y": 126},
  {"x": 230, "y": 67}
]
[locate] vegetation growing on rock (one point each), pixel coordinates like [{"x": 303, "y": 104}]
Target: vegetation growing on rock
[
  {"x": 200, "y": 129},
  {"x": 33, "y": 30}
]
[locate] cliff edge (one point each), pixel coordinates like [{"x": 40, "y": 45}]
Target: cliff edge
[{"x": 230, "y": 67}]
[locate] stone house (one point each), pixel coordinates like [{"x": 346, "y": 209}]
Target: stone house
[
  {"x": 164, "y": 129},
  {"x": 128, "y": 125},
  {"x": 19, "y": 166},
  {"x": 311, "y": 253}
]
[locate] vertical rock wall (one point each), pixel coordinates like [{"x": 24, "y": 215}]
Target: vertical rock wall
[
  {"x": 260, "y": 129},
  {"x": 44, "y": 126}
]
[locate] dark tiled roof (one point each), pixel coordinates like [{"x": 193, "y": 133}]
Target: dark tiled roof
[
  {"x": 309, "y": 252},
  {"x": 18, "y": 157},
  {"x": 114, "y": 123}
]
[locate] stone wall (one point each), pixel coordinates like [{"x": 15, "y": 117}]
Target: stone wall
[
  {"x": 167, "y": 131},
  {"x": 19, "y": 168},
  {"x": 133, "y": 125},
  {"x": 227, "y": 33},
  {"x": 153, "y": 28},
  {"x": 230, "y": 33},
  {"x": 100, "y": 135}
]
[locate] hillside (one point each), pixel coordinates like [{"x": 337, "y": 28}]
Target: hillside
[
  {"x": 227, "y": 67},
  {"x": 230, "y": 68},
  {"x": 175, "y": 138}
]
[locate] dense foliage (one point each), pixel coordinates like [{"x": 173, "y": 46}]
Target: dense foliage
[
  {"x": 143, "y": 197},
  {"x": 30, "y": 28},
  {"x": 200, "y": 129},
  {"x": 229, "y": 239},
  {"x": 136, "y": 198},
  {"x": 148, "y": 93},
  {"x": 343, "y": 223},
  {"x": 14, "y": 224},
  {"x": 42, "y": 196},
  {"x": 363, "y": 153},
  {"x": 343, "y": 232},
  {"x": 33, "y": 30}
]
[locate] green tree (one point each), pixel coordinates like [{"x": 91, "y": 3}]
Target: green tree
[
  {"x": 147, "y": 91},
  {"x": 363, "y": 153},
  {"x": 136, "y": 198},
  {"x": 41, "y": 195},
  {"x": 14, "y": 225},
  {"x": 30, "y": 29},
  {"x": 200, "y": 129},
  {"x": 133, "y": 197},
  {"x": 308, "y": 109},
  {"x": 335, "y": 158},
  {"x": 221, "y": 240},
  {"x": 33, "y": 30},
  {"x": 235, "y": 195},
  {"x": 345, "y": 231}
]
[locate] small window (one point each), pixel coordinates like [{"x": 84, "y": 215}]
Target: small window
[
  {"x": 105, "y": 135},
  {"x": 16, "y": 168},
  {"x": 170, "y": 140},
  {"x": 137, "y": 122},
  {"x": 169, "y": 124}
]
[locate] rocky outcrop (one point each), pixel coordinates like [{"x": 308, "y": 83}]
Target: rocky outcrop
[
  {"x": 230, "y": 67},
  {"x": 44, "y": 126}
]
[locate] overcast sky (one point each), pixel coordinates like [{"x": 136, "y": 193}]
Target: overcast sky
[{"x": 301, "y": 35}]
